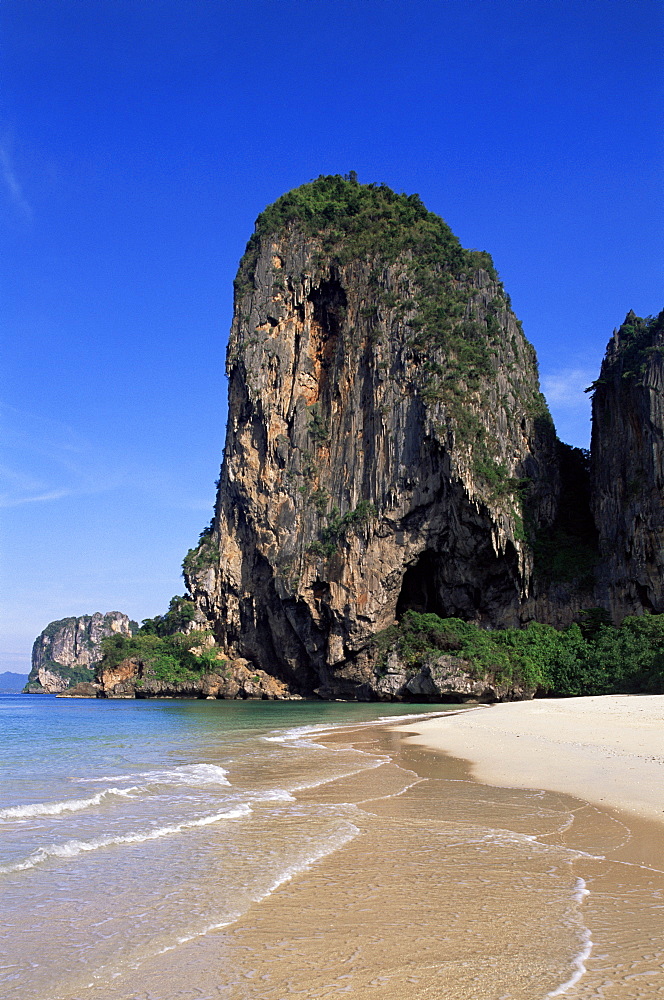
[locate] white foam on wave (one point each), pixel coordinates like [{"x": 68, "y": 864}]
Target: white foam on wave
[
  {"x": 306, "y": 786},
  {"x": 504, "y": 838},
  {"x": 201, "y": 933},
  {"x": 37, "y": 809},
  {"x": 187, "y": 774},
  {"x": 298, "y": 736},
  {"x": 272, "y": 795},
  {"x": 408, "y": 716},
  {"x": 579, "y": 961},
  {"x": 334, "y": 844},
  {"x": 301, "y": 736},
  {"x": 300, "y": 733},
  {"x": 343, "y": 836},
  {"x": 72, "y": 848}
]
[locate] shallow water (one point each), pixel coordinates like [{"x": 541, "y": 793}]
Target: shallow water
[
  {"x": 129, "y": 827},
  {"x": 160, "y": 850}
]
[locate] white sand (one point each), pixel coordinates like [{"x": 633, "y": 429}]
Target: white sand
[{"x": 607, "y": 750}]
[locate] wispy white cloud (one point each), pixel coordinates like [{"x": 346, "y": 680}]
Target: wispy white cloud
[
  {"x": 43, "y": 461},
  {"x": 12, "y": 184},
  {"x": 9, "y": 501},
  {"x": 565, "y": 387},
  {"x": 46, "y": 461}
]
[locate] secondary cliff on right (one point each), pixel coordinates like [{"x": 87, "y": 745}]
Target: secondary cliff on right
[{"x": 627, "y": 469}]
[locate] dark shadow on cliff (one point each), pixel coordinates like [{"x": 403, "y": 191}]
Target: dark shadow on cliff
[{"x": 567, "y": 552}]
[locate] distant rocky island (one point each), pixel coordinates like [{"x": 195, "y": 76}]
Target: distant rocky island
[
  {"x": 396, "y": 517},
  {"x": 68, "y": 651}
]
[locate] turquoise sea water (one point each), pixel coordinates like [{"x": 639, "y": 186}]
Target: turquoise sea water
[{"x": 114, "y": 815}]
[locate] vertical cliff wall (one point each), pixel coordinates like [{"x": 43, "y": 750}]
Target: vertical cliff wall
[
  {"x": 628, "y": 468},
  {"x": 385, "y": 429},
  {"x": 68, "y": 650}
]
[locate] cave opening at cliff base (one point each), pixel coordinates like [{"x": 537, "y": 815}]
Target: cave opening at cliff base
[{"x": 420, "y": 587}]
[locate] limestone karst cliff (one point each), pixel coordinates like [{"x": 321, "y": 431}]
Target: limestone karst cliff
[
  {"x": 395, "y": 516},
  {"x": 67, "y": 651},
  {"x": 386, "y": 435},
  {"x": 388, "y": 449},
  {"x": 628, "y": 468}
]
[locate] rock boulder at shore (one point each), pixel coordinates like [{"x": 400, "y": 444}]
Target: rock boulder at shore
[{"x": 134, "y": 678}]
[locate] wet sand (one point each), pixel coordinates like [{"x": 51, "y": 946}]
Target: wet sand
[{"x": 453, "y": 889}]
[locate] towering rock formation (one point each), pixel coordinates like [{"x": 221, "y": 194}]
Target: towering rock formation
[
  {"x": 67, "y": 651},
  {"x": 385, "y": 430},
  {"x": 388, "y": 450},
  {"x": 628, "y": 468}
]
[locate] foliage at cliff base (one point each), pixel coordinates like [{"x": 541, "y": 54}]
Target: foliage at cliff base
[{"x": 589, "y": 658}]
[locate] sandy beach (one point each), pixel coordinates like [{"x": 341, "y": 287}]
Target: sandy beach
[
  {"x": 510, "y": 852},
  {"x": 607, "y": 750}
]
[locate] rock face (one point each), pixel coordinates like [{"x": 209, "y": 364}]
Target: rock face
[
  {"x": 68, "y": 650},
  {"x": 385, "y": 426},
  {"x": 628, "y": 468},
  {"x": 442, "y": 678},
  {"x": 388, "y": 450},
  {"x": 84, "y": 689}
]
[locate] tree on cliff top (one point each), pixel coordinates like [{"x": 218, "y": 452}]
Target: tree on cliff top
[{"x": 360, "y": 221}]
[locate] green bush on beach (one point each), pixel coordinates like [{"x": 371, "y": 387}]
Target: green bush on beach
[{"x": 589, "y": 658}]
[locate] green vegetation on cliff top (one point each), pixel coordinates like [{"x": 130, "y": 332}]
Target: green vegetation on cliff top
[
  {"x": 178, "y": 618},
  {"x": 370, "y": 222},
  {"x": 359, "y": 221},
  {"x": 637, "y": 341},
  {"x": 454, "y": 354},
  {"x": 204, "y": 555}
]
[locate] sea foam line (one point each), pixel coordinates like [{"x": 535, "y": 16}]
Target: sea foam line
[
  {"x": 36, "y": 809},
  {"x": 306, "y": 786},
  {"x": 295, "y": 733},
  {"x": 579, "y": 962},
  {"x": 188, "y": 774},
  {"x": 108, "y": 973},
  {"x": 334, "y": 844},
  {"x": 72, "y": 848}
]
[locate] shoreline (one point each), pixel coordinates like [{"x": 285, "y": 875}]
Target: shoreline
[
  {"x": 606, "y": 749},
  {"x": 449, "y": 887}
]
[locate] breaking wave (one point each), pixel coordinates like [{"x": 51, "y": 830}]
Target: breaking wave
[
  {"x": 188, "y": 774},
  {"x": 72, "y": 848},
  {"x": 37, "y": 809}
]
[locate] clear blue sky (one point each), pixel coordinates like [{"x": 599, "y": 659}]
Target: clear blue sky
[{"x": 139, "y": 141}]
